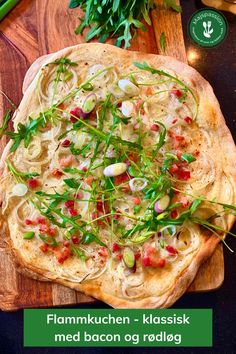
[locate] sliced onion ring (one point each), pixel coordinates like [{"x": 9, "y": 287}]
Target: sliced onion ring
[{"x": 137, "y": 184}]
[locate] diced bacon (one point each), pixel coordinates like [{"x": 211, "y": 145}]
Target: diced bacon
[
  {"x": 29, "y": 222},
  {"x": 89, "y": 180},
  {"x": 155, "y": 127},
  {"x": 174, "y": 214},
  {"x": 146, "y": 262},
  {"x": 69, "y": 203},
  {"x": 158, "y": 263},
  {"x": 177, "y": 93},
  {"x": 44, "y": 247},
  {"x": 124, "y": 177},
  {"x": 175, "y": 121},
  {"x": 103, "y": 252},
  {"x": 33, "y": 183},
  {"x": 72, "y": 211},
  {"x": 75, "y": 239},
  {"x": 75, "y": 112},
  {"x": 183, "y": 175},
  {"x": 149, "y": 91},
  {"x": 137, "y": 255},
  {"x": 41, "y": 220},
  {"x": 115, "y": 247},
  {"x": 171, "y": 249},
  {"x": 119, "y": 257},
  {"x": 79, "y": 195},
  {"x": 66, "y": 161},
  {"x": 138, "y": 105},
  {"x": 56, "y": 173},
  {"x": 188, "y": 120},
  {"x": 126, "y": 189},
  {"x": 66, "y": 243},
  {"x": 136, "y": 200},
  {"x": 61, "y": 106},
  {"x": 133, "y": 157},
  {"x": 63, "y": 255},
  {"x": 66, "y": 143}
]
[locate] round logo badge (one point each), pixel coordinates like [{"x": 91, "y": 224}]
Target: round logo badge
[{"x": 208, "y": 27}]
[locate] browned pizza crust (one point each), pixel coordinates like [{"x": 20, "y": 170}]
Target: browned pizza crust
[{"x": 210, "y": 116}]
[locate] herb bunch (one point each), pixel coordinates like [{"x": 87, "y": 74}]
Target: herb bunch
[{"x": 117, "y": 18}]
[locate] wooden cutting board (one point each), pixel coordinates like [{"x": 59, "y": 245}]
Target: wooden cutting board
[{"x": 35, "y": 28}]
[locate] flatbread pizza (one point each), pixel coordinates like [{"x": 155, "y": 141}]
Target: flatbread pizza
[{"x": 119, "y": 178}]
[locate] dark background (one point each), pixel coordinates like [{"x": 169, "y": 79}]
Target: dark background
[{"x": 218, "y": 66}]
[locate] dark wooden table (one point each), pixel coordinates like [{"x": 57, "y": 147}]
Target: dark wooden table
[{"x": 217, "y": 66}]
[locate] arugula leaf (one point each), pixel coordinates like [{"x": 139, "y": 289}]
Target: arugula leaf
[
  {"x": 72, "y": 183},
  {"x": 163, "y": 42},
  {"x": 171, "y": 4},
  {"x": 188, "y": 157},
  {"x": 73, "y": 4},
  {"x": 78, "y": 252},
  {"x": 6, "y": 118},
  {"x": 89, "y": 238},
  {"x": 49, "y": 240}
]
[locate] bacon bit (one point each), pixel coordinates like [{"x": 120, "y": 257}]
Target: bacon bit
[
  {"x": 176, "y": 192},
  {"x": 138, "y": 105},
  {"x": 89, "y": 180},
  {"x": 119, "y": 257},
  {"x": 126, "y": 189},
  {"x": 175, "y": 120},
  {"x": 29, "y": 222},
  {"x": 171, "y": 249},
  {"x": 96, "y": 215},
  {"x": 155, "y": 127},
  {"x": 146, "y": 262},
  {"x": 177, "y": 93},
  {"x": 136, "y": 200},
  {"x": 174, "y": 214},
  {"x": 183, "y": 175},
  {"x": 41, "y": 220},
  {"x": 103, "y": 252},
  {"x": 72, "y": 212},
  {"x": 44, "y": 228},
  {"x": 69, "y": 203},
  {"x": 85, "y": 169},
  {"x": 133, "y": 157},
  {"x": 179, "y": 154},
  {"x": 149, "y": 91},
  {"x": 137, "y": 255},
  {"x": 188, "y": 120},
  {"x": 61, "y": 106},
  {"x": 66, "y": 143},
  {"x": 119, "y": 104},
  {"x": 79, "y": 195},
  {"x": 75, "y": 112},
  {"x": 44, "y": 247},
  {"x": 75, "y": 239},
  {"x": 66, "y": 243},
  {"x": 57, "y": 173},
  {"x": 184, "y": 202},
  {"x": 196, "y": 153},
  {"x": 33, "y": 183},
  {"x": 115, "y": 247},
  {"x": 66, "y": 161},
  {"x": 52, "y": 231},
  {"x": 121, "y": 178},
  {"x": 158, "y": 263},
  {"x": 103, "y": 207},
  {"x": 174, "y": 168},
  {"x": 63, "y": 255}
]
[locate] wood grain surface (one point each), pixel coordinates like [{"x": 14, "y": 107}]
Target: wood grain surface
[{"x": 37, "y": 27}]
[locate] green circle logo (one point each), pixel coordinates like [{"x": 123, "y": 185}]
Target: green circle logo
[{"x": 208, "y": 27}]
